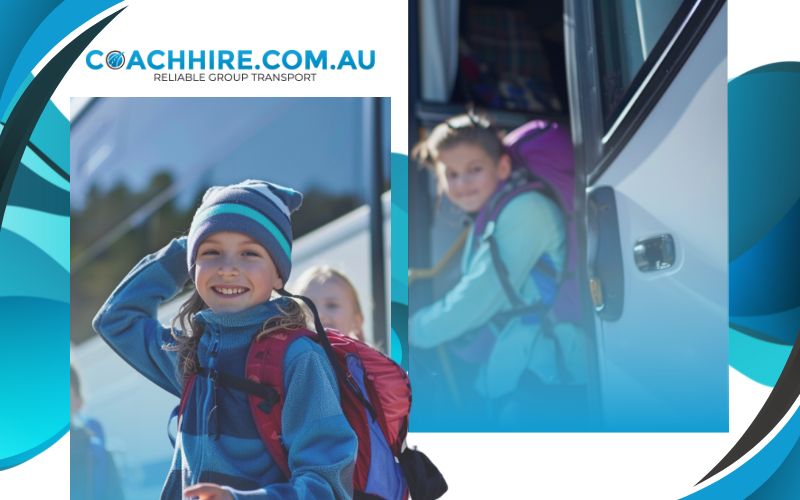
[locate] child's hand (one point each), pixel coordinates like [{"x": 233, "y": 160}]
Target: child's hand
[{"x": 207, "y": 491}]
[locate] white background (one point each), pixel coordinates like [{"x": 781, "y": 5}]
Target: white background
[{"x": 475, "y": 465}]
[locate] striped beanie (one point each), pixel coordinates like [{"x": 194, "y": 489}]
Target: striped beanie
[{"x": 258, "y": 209}]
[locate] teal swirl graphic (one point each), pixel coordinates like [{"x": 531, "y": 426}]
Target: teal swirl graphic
[
  {"x": 399, "y": 288},
  {"x": 34, "y": 236},
  {"x": 34, "y": 302},
  {"x": 764, "y": 208}
]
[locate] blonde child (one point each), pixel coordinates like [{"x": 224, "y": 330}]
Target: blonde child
[
  {"x": 237, "y": 253},
  {"x": 336, "y": 300}
]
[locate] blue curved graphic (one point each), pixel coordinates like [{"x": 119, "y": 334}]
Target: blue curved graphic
[
  {"x": 396, "y": 348},
  {"x": 52, "y": 135},
  {"x": 32, "y": 272},
  {"x": 779, "y": 327},
  {"x": 36, "y": 397},
  {"x": 760, "y": 360},
  {"x": 400, "y": 228},
  {"x": 764, "y": 211},
  {"x": 37, "y": 27},
  {"x": 764, "y": 226},
  {"x": 34, "y": 238},
  {"x": 40, "y": 168},
  {"x": 26, "y": 18},
  {"x": 7, "y": 463},
  {"x": 784, "y": 480},
  {"x": 763, "y": 127},
  {"x": 771, "y": 264},
  {"x": 743, "y": 481},
  {"x": 34, "y": 192},
  {"x": 399, "y": 279}
]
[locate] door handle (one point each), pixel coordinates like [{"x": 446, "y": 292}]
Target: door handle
[{"x": 654, "y": 254}]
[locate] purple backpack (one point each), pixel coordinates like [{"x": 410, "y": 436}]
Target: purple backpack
[
  {"x": 545, "y": 150},
  {"x": 541, "y": 153}
]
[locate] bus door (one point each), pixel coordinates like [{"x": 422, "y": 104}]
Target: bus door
[{"x": 647, "y": 87}]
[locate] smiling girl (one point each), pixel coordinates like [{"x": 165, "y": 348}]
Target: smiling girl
[
  {"x": 237, "y": 253},
  {"x": 483, "y": 349}
]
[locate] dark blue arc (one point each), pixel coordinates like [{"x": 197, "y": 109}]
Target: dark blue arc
[{"x": 23, "y": 118}]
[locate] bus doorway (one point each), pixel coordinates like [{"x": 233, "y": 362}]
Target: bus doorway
[
  {"x": 642, "y": 90},
  {"x": 504, "y": 61}
]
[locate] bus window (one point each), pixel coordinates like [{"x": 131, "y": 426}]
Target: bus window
[
  {"x": 135, "y": 184},
  {"x": 631, "y": 35}
]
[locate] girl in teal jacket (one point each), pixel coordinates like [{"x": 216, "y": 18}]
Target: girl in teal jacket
[{"x": 472, "y": 167}]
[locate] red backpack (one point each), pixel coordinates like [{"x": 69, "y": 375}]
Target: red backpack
[{"x": 375, "y": 395}]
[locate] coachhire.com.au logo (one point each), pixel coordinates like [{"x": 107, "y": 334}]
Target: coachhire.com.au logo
[{"x": 231, "y": 60}]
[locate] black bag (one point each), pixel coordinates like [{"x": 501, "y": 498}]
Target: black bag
[{"x": 425, "y": 482}]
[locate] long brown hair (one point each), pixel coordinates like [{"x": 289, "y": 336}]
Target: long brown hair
[{"x": 189, "y": 329}]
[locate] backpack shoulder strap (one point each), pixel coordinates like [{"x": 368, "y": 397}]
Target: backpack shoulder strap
[
  {"x": 502, "y": 273},
  {"x": 265, "y": 366},
  {"x": 177, "y": 412},
  {"x": 543, "y": 266},
  {"x": 491, "y": 215},
  {"x": 187, "y": 390},
  {"x": 504, "y": 194}
]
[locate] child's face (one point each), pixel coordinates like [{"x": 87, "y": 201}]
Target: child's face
[
  {"x": 233, "y": 272},
  {"x": 336, "y": 306},
  {"x": 470, "y": 176}
]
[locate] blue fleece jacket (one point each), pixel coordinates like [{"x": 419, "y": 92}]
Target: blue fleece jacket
[{"x": 320, "y": 443}]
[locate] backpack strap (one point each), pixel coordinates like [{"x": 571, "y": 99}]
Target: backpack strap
[
  {"x": 264, "y": 388},
  {"x": 341, "y": 376},
  {"x": 564, "y": 375},
  {"x": 266, "y": 394},
  {"x": 542, "y": 266},
  {"x": 177, "y": 412},
  {"x": 518, "y": 307},
  {"x": 264, "y": 367},
  {"x": 515, "y": 185}
]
